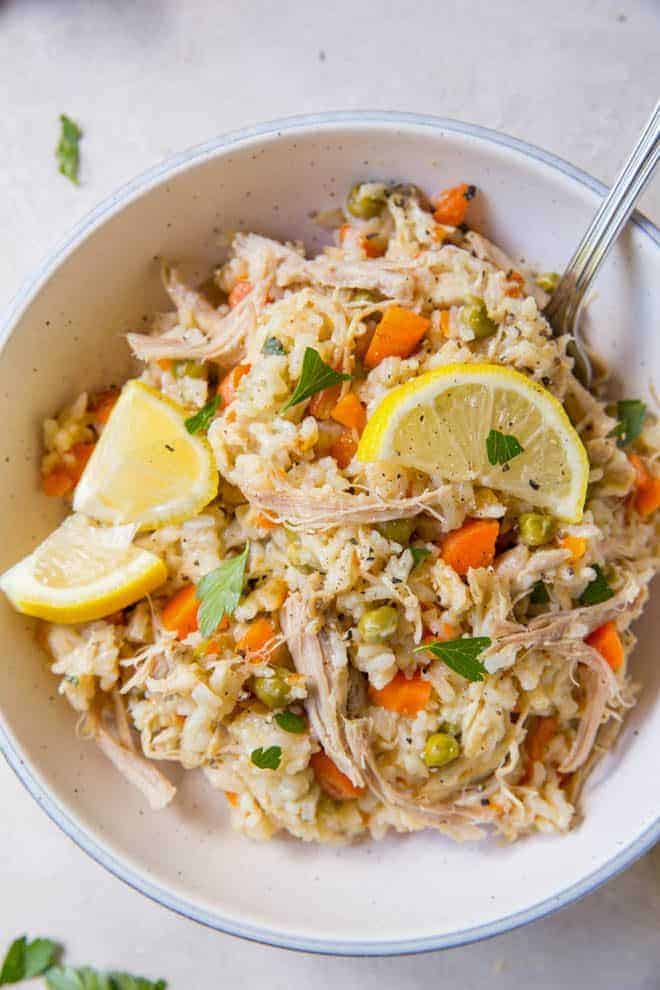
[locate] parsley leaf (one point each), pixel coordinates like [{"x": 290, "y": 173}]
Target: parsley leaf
[
  {"x": 598, "y": 591},
  {"x": 68, "y": 148},
  {"x": 219, "y": 592},
  {"x": 124, "y": 981},
  {"x": 461, "y": 655},
  {"x": 267, "y": 759},
  {"x": 273, "y": 346},
  {"x": 539, "y": 595},
  {"x": 419, "y": 554},
  {"x": 501, "y": 447},
  {"x": 85, "y": 978},
  {"x": 314, "y": 377},
  {"x": 631, "y": 414},
  {"x": 201, "y": 421},
  {"x": 27, "y": 959},
  {"x": 291, "y": 722}
]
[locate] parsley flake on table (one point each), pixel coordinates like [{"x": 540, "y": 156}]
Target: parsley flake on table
[
  {"x": 461, "y": 655},
  {"x": 24, "y": 959},
  {"x": 267, "y": 759},
  {"x": 200, "y": 422},
  {"x": 315, "y": 376},
  {"x": 502, "y": 447},
  {"x": 219, "y": 592},
  {"x": 68, "y": 148}
]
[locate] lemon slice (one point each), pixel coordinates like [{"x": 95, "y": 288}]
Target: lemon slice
[
  {"x": 82, "y": 572},
  {"x": 438, "y": 423},
  {"x": 146, "y": 468}
]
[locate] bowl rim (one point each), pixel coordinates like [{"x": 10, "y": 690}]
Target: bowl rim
[{"x": 10, "y": 748}]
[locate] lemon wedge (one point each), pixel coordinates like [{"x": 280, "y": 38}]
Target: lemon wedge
[
  {"x": 439, "y": 422},
  {"x": 146, "y": 468},
  {"x": 82, "y": 572}
]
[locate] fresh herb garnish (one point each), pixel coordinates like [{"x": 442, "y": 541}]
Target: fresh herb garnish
[
  {"x": 201, "y": 421},
  {"x": 631, "y": 414},
  {"x": 27, "y": 959},
  {"x": 314, "y": 377},
  {"x": 68, "y": 148},
  {"x": 219, "y": 592},
  {"x": 267, "y": 759},
  {"x": 461, "y": 655},
  {"x": 291, "y": 722},
  {"x": 598, "y": 590},
  {"x": 273, "y": 346},
  {"x": 539, "y": 595},
  {"x": 501, "y": 447},
  {"x": 86, "y": 978},
  {"x": 419, "y": 554}
]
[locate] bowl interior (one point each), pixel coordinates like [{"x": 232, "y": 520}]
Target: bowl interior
[{"x": 406, "y": 892}]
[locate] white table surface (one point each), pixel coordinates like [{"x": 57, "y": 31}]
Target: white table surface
[{"x": 146, "y": 78}]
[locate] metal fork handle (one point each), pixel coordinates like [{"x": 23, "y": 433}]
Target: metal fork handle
[{"x": 563, "y": 309}]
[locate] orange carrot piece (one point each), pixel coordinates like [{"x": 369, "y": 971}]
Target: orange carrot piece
[
  {"x": 539, "y": 738},
  {"x": 451, "y": 204},
  {"x": 81, "y": 453},
  {"x": 229, "y": 384},
  {"x": 607, "y": 641},
  {"x": 332, "y": 780},
  {"x": 264, "y": 521},
  {"x": 180, "y": 613},
  {"x": 232, "y": 798},
  {"x": 343, "y": 448},
  {"x": 350, "y": 412},
  {"x": 647, "y": 499},
  {"x": 57, "y": 482},
  {"x": 165, "y": 364},
  {"x": 642, "y": 476},
  {"x": 257, "y": 636},
  {"x": 344, "y": 231},
  {"x": 473, "y": 545},
  {"x": 397, "y": 335},
  {"x": 373, "y": 248},
  {"x": 242, "y": 289},
  {"x": 577, "y": 545},
  {"x": 405, "y": 695},
  {"x": 515, "y": 290},
  {"x": 104, "y": 405},
  {"x": 322, "y": 403},
  {"x": 444, "y": 322}
]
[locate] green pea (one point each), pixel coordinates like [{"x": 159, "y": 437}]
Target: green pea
[
  {"x": 475, "y": 316},
  {"x": 440, "y": 749},
  {"x": 548, "y": 281},
  {"x": 273, "y": 691},
  {"x": 295, "y": 552},
  {"x": 535, "y": 528},
  {"x": 191, "y": 369},
  {"x": 365, "y": 200},
  {"x": 378, "y": 624},
  {"x": 398, "y": 530}
]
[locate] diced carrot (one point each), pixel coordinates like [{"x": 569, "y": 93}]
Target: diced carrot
[
  {"x": 81, "y": 453},
  {"x": 539, "y": 738},
  {"x": 647, "y": 499},
  {"x": 515, "y": 290},
  {"x": 607, "y": 641},
  {"x": 444, "y": 322},
  {"x": 57, "y": 482},
  {"x": 332, "y": 780},
  {"x": 104, "y": 405},
  {"x": 343, "y": 448},
  {"x": 373, "y": 247},
  {"x": 451, "y": 204},
  {"x": 232, "y": 798},
  {"x": 257, "y": 636},
  {"x": 473, "y": 545},
  {"x": 242, "y": 289},
  {"x": 229, "y": 384},
  {"x": 397, "y": 335},
  {"x": 642, "y": 476},
  {"x": 406, "y": 695},
  {"x": 165, "y": 364},
  {"x": 577, "y": 545},
  {"x": 264, "y": 521},
  {"x": 350, "y": 412},
  {"x": 180, "y": 613},
  {"x": 322, "y": 403}
]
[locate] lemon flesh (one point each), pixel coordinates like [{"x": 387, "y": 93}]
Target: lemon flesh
[
  {"x": 82, "y": 572},
  {"x": 146, "y": 468},
  {"x": 438, "y": 423}
]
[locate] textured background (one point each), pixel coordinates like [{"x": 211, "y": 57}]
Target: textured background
[{"x": 148, "y": 78}]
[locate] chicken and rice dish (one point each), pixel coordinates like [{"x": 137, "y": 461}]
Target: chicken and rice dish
[{"x": 355, "y": 541}]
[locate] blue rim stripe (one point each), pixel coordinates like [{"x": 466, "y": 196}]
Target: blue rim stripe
[{"x": 97, "y": 850}]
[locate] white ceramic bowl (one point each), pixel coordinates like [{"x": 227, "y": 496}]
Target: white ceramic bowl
[{"x": 406, "y": 894}]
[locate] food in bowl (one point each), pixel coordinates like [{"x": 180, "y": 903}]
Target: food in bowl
[{"x": 356, "y": 542}]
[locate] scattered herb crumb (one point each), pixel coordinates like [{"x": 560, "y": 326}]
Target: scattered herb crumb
[{"x": 68, "y": 148}]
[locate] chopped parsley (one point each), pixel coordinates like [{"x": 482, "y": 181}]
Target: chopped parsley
[
  {"x": 219, "y": 592},
  {"x": 539, "y": 594},
  {"x": 68, "y": 148},
  {"x": 501, "y": 447},
  {"x": 267, "y": 759},
  {"x": 461, "y": 655},
  {"x": 419, "y": 554},
  {"x": 200, "y": 422},
  {"x": 631, "y": 414},
  {"x": 598, "y": 590},
  {"x": 291, "y": 722},
  {"x": 315, "y": 376}
]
